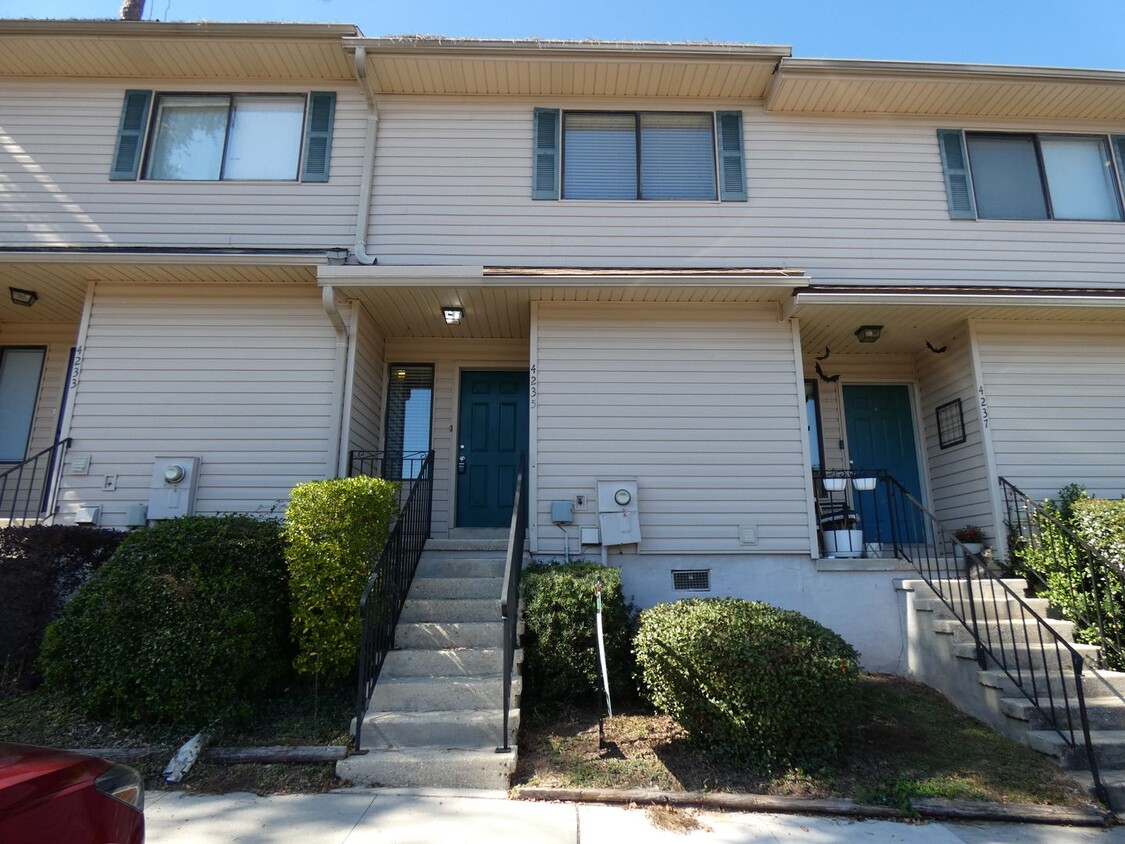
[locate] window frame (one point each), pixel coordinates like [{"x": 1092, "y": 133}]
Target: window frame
[
  {"x": 399, "y": 460},
  {"x": 1110, "y": 144},
  {"x": 637, "y": 175},
  {"x": 4, "y": 460},
  {"x": 134, "y": 149}
]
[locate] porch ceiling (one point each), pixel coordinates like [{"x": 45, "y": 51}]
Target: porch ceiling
[
  {"x": 61, "y": 287},
  {"x": 505, "y": 311}
]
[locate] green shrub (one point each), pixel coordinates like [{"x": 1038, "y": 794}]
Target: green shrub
[
  {"x": 560, "y": 639},
  {"x": 334, "y": 533},
  {"x": 40, "y": 568},
  {"x": 762, "y": 686},
  {"x": 187, "y": 622}
]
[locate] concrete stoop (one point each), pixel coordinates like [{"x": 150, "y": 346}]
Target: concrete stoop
[
  {"x": 941, "y": 654},
  {"x": 436, "y": 716}
]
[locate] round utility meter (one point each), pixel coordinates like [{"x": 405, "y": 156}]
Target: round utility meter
[
  {"x": 622, "y": 497},
  {"x": 174, "y": 473}
]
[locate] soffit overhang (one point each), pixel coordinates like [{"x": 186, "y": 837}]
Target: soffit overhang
[
  {"x": 539, "y": 68},
  {"x": 111, "y": 49},
  {"x": 948, "y": 91}
]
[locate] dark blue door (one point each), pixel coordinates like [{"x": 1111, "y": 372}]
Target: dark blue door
[
  {"x": 880, "y": 428},
  {"x": 493, "y": 430}
]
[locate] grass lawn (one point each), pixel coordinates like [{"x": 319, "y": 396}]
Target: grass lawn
[
  {"x": 297, "y": 717},
  {"x": 906, "y": 741}
]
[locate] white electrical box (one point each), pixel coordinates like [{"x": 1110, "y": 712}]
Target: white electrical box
[
  {"x": 618, "y": 515},
  {"x": 172, "y": 491}
]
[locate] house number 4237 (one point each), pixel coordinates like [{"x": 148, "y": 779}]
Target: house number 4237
[{"x": 983, "y": 407}]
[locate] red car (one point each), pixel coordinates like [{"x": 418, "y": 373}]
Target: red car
[{"x": 49, "y": 796}]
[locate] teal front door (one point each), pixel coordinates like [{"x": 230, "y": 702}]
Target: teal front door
[
  {"x": 493, "y": 435},
  {"x": 880, "y": 428}
]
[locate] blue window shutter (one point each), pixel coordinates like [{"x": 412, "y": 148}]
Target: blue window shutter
[
  {"x": 732, "y": 161},
  {"x": 545, "y": 161},
  {"x": 318, "y": 136},
  {"x": 131, "y": 135},
  {"x": 955, "y": 163}
]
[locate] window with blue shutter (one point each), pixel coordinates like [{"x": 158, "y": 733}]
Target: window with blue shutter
[
  {"x": 131, "y": 135},
  {"x": 637, "y": 155}
]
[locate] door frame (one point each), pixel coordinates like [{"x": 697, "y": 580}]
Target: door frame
[{"x": 455, "y": 439}]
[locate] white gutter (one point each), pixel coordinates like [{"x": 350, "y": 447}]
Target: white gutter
[
  {"x": 363, "y": 212},
  {"x": 279, "y": 259},
  {"x": 1031, "y": 300},
  {"x": 336, "y": 437},
  {"x": 474, "y": 276}
]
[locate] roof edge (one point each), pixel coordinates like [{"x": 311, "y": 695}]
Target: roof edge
[
  {"x": 944, "y": 70},
  {"x": 437, "y": 45},
  {"x": 104, "y": 28}
]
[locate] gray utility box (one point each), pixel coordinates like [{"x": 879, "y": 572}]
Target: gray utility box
[
  {"x": 618, "y": 512},
  {"x": 172, "y": 490}
]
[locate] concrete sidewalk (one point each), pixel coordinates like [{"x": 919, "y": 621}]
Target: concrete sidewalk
[{"x": 414, "y": 816}]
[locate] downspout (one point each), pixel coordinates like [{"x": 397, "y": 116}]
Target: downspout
[
  {"x": 336, "y": 424},
  {"x": 363, "y": 213}
]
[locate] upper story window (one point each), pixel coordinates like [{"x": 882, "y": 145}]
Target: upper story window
[
  {"x": 1024, "y": 176},
  {"x": 220, "y": 137},
  {"x": 638, "y": 155}
]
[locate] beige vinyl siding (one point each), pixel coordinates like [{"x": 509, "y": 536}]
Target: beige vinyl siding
[
  {"x": 365, "y": 430},
  {"x": 960, "y": 492},
  {"x": 846, "y": 200},
  {"x": 239, "y": 376},
  {"x": 56, "y": 145},
  {"x": 1055, "y": 398},
  {"x": 449, "y": 357},
  {"x": 699, "y": 404}
]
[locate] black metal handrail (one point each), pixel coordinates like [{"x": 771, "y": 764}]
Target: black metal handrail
[
  {"x": 390, "y": 465},
  {"x": 28, "y": 488},
  {"x": 510, "y": 594},
  {"x": 1092, "y": 585},
  {"x": 386, "y": 591},
  {"x": 1039, "y": 662}
]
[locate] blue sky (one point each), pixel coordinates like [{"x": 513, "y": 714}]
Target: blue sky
[{"x": 1067, "y": 33}]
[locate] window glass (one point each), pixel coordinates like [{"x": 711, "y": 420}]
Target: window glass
[
  {"x": 812, "y": 422},
  {"x": 190, "y": 133},
  {"x": 265, "y": 138},
  {"x": 677, "y": 156},
  {"x": 410, "y": 391},
  {"x": 20, "y": 370},
  {"x": 600, "y": 156},
  {"x": 1006, "y": 178},
  {"x": 1080, "y": 178}
]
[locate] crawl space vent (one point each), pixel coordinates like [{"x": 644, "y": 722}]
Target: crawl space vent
[{"x": 692, "y": 581}]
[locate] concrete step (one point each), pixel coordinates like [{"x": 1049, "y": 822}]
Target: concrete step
[
  {"x": 1096, "y": 684},
  {"x": 445, "y": 662},
  {"x": 1034, "y": 658},
  {"x": 1103, "y": 713},
  {"x": 1020, "y": 629},
  {"x": 479, "y": 728},
  {"x": 960, "y": 589},
  {"x": 459, "y": 565},
  {"x": 495, "y": 543},
  {"x": 429, "y": 588},
  {"x": 1109, "y": 748},
  {"x": 442, "y": 635},
  {"x": 1113, "y": 780},
  {"x": 430, "y": 768},
  {"x": 450, "y": 610},
  {"x": 998, "y": 609},
  {"x": 426, "y": 694}
]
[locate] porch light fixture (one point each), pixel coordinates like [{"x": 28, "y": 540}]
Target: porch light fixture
[
  {"x": 453, "y": 316},
  {"x": 868, "y": 333},
  {"x": 27, "y": 298},
  {"x": 337, "y": 256}
]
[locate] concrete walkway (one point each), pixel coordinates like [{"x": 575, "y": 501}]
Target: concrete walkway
[{"x": 414, "y": 816}]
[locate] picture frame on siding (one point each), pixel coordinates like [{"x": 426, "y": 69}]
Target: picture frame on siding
[{"x": 951, "y": 424}]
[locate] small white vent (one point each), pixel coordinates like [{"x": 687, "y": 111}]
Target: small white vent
[{"x": 692, "y": 581}]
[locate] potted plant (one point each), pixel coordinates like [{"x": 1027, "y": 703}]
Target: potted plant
[
  {"x": 842, "y": 537},
  {"x": 971, "y": 537}
]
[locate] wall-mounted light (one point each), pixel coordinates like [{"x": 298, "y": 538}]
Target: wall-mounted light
[
  {"x": 868, "y": 333},
  {"x": 337, "y": 256},
  {"x": 453, "y": 316},
  {"x": 27, "y": 298}
]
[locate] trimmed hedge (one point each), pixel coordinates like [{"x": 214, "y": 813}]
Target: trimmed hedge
[
  {"x": 560, "y": 639},
  {"x": 40, "y": 568},
  {"x": 762, "y": 686},
  {"x": 335, "y": 531},
  {"x": 187, "y": 622}
]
